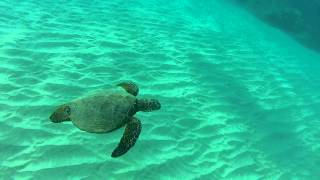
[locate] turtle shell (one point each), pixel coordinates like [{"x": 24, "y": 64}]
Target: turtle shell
[{"x": 102, "y": 111}]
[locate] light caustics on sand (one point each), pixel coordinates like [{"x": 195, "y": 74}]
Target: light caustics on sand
[{"x": 240, "y": 100}]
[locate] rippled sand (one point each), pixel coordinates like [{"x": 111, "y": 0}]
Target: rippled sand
[{"x": 240, "y": 100}]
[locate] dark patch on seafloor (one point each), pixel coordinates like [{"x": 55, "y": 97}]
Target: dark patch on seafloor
[{"x": 295, "y": 17}]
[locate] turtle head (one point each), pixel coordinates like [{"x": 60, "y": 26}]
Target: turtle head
[
  {"x": 147, "y": 105},
  {"x": 62, "y": 113}
]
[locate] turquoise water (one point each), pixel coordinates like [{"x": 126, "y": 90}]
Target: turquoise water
[{"x": 240, "y": 99}]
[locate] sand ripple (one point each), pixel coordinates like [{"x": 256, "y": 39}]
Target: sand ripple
[{"x": 236, "y": 103}]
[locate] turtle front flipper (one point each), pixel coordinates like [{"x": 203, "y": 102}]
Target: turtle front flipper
[
  {"x": 129, "y": 138},
  {"x": 130, "y": 87}
]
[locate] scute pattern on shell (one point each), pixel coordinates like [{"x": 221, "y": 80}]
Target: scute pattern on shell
[{"x": 102, "y": 112}]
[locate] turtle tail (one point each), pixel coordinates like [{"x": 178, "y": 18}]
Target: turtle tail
[{"x": 148, "y": 105}]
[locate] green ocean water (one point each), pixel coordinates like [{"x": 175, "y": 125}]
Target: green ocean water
[{"x": 240, "y": 99}]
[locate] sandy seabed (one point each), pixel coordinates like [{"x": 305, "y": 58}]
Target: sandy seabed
[{"x": 240, "y": 100}]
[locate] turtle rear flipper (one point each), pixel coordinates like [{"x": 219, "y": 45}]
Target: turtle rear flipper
[
  {"x": 129, "y": 138},
  {"x": 130, "y": 87}
]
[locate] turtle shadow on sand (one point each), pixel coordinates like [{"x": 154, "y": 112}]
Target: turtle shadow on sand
[{"x": 108, "y": 110}]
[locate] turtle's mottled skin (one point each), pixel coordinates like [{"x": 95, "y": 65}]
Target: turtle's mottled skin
[{"x": 107, "y": 110}]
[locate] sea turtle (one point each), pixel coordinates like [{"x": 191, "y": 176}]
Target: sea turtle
[{"x": 106, "y": 110}]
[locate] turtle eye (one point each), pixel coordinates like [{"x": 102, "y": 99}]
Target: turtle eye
[{"x": 67, "y": 110}]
